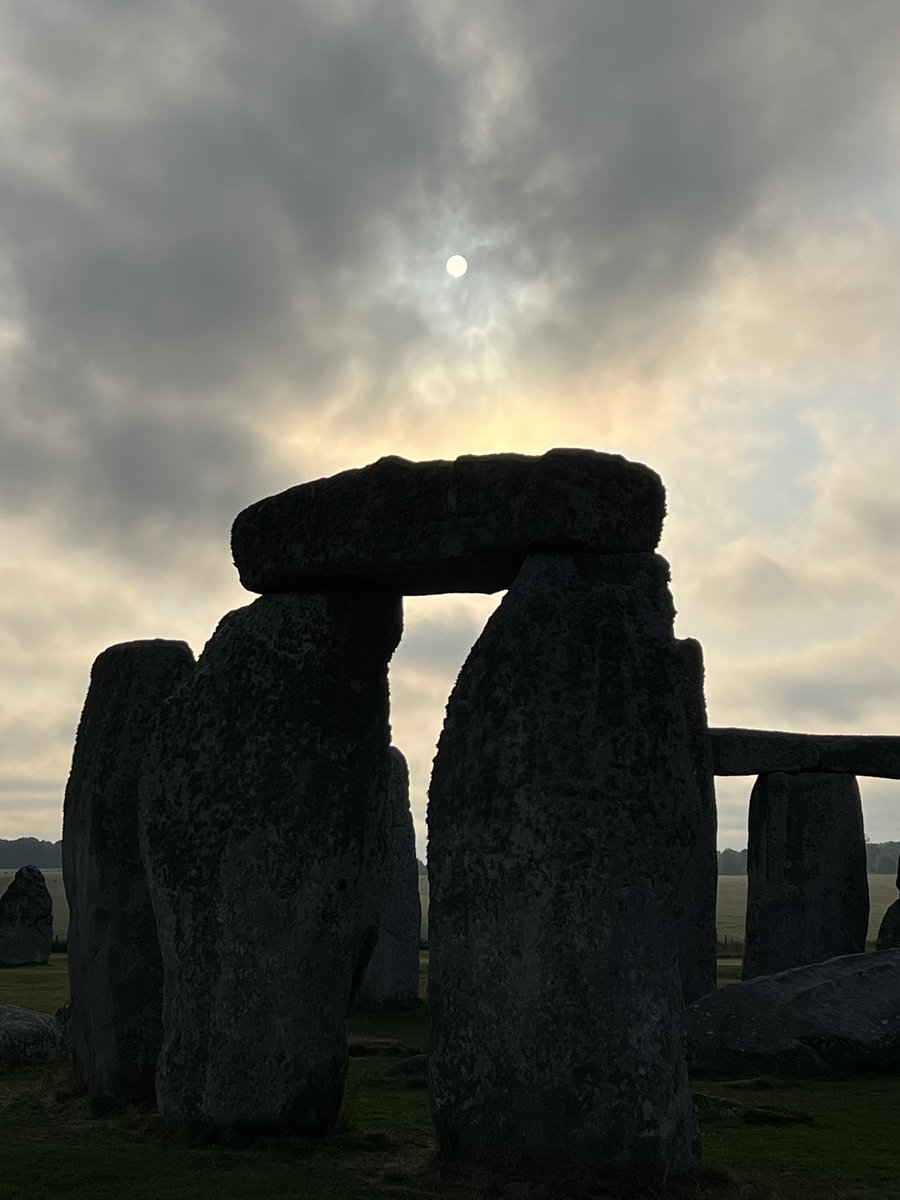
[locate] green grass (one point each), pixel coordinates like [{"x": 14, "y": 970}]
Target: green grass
[{"x": 55, "y": 1147}]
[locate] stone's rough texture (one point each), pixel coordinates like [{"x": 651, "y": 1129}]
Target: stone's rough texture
[
  {"x": 889, "y": 929},
  {"x": 28, "y": 1038},
  {"x": 115, "y": 970},
  {"x": 696, "y": 894},
  {"x": 26, "y": 920},
  {"x": 562, "y": 811},
  {"x": 263, "y": 832},
  {"x": 461, "y": 526},
  {"x": 840, "y": 1015},
  {"x": 763, "y": 751},
  {"x": 807, "y": 888},
  {"x": 393, "y": 972}
]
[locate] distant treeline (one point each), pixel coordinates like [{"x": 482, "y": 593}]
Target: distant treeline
[
  {"x": 881, "y": 859},
  {"x": 24, "y": 852}
]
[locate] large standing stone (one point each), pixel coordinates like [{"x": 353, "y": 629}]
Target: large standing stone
[
  {"x": 697, "y": 891},
  {"x": 462, "y": 526},
  {"x": 563, "y": 808},
  {"x": 392, "y": 975},
  {"x": 115, "y": 970},
  {"x": 26, "y": 920},
  {"x": 807, "y": 889},
  {"x": 263, "y": 832}
]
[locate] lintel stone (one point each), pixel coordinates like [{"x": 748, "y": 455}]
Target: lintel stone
[
  {"x": 446, "y": 526},
  {"x": 762, "y": 751}
]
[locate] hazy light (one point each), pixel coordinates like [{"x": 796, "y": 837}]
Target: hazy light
[{"x": 457, "y": 266}]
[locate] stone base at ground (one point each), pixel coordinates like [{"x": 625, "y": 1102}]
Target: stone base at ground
[
  {"x": 28, "y": 1038},
  {"x": 26, "y": 920},
  {"x": 840, "y": 1015}
]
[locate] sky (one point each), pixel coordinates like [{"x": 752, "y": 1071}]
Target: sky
[{"x": 223, "y": 237}]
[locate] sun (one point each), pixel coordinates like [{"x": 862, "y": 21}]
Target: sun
[{"x": 456, "y": 266}]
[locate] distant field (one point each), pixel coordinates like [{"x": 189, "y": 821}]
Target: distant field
[{"x": 732, "y": 902}]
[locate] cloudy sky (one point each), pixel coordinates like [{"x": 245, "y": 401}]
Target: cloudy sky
[{"x": 224, "y": 234}]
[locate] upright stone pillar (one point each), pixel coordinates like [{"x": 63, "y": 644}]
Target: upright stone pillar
[
  {"x": 263, "y": 833},
  {"x": 697, "y": 891},
  {"x": 563, "y": 808},
  {"x": 889, "y": 929},
  {"x": 115, "y": 970},
  {"x": 26, "y": 920},
  {"x": 807, "y": 888},
  {"x": 392, "y": 976}
]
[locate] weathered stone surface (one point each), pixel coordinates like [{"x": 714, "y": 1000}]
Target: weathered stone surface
[
  {"x": 807, "y": 888},
  {"x": 889, "y": 929},
  {"x": 839, "y": 1015},
  {"x": 461, "y": 526},
  {"x": 563, "y": 807},
  {"x": 115, "y": 970},
  {"x": 28, "y": 1038},
  {"x": 263, "y": 832},
  {"x": 26, "y": 920},
  {"x": 392, "y": 975},
  {"x": 763, "y": 751},
  {"x": 696, "y": 894}
]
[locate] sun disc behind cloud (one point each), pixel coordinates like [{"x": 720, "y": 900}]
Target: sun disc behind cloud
[{"x": 457, "y": 266}]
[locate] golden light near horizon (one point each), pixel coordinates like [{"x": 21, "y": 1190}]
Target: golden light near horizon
[{"x": 456, "y": 266}]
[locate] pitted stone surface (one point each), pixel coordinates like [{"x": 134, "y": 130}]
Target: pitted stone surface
[
  {"x": 392, "y": 975},
  {"x": 696, "y": 894},
  {"x": 807, "y": 888},
  {"x": 263, "y": 833},
  {"x": 460, "y": 526},
  {"x": 26, "y": 920},
  {"x": 764, "y": 751},
  {"x": 562, "y": 810},
  {"x": 28, "y": 1038},
  {"x": 839, "y": 1015},
  {"x": 115, "y": 970}
]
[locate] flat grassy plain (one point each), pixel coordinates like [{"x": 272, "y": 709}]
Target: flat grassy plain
[{"x": 770, "y": 1140}]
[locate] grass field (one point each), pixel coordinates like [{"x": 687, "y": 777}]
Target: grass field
[{"x": 774, "y": 1140}]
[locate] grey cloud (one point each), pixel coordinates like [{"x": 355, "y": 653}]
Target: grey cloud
[{"x": 211, "y": 214}]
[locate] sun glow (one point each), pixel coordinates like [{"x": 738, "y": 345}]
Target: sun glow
[{"x": 456, "y": 266}]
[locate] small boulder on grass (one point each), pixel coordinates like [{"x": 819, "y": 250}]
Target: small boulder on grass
[{"x": 28, "y": 1038}]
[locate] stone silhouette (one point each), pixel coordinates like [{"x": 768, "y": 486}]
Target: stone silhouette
[
  {"x": 839, "y": 1015},
  {"x": 264, "y": 836},
  {"x": 392, "y": 976},
  {"x": 462, "y": 526},
  {"x": 807, "y": 888},
  {"x": 28, "y": 1038},
  {"x": 697, "y": 891},
  {"x": 764, "y": 751},
  {"x": 115, "y": 969},
  {"x": 889, "y": 930},
  {"x": 26, "y": 920},
  {"x": 563, "y": 808}
]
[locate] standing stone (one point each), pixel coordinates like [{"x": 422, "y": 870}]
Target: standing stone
[
  {"x": 563, "y": 807},
  {"x": 889, "y": 930},
  {"x": 115, "y": 970},
  {"x": 263, "y": 833},
  {"x": 807, "y": 889},
  {"x": 697, "y": 892},
  {"x": 26, "y": 920},
  {"x": 392, "y": 976}
]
